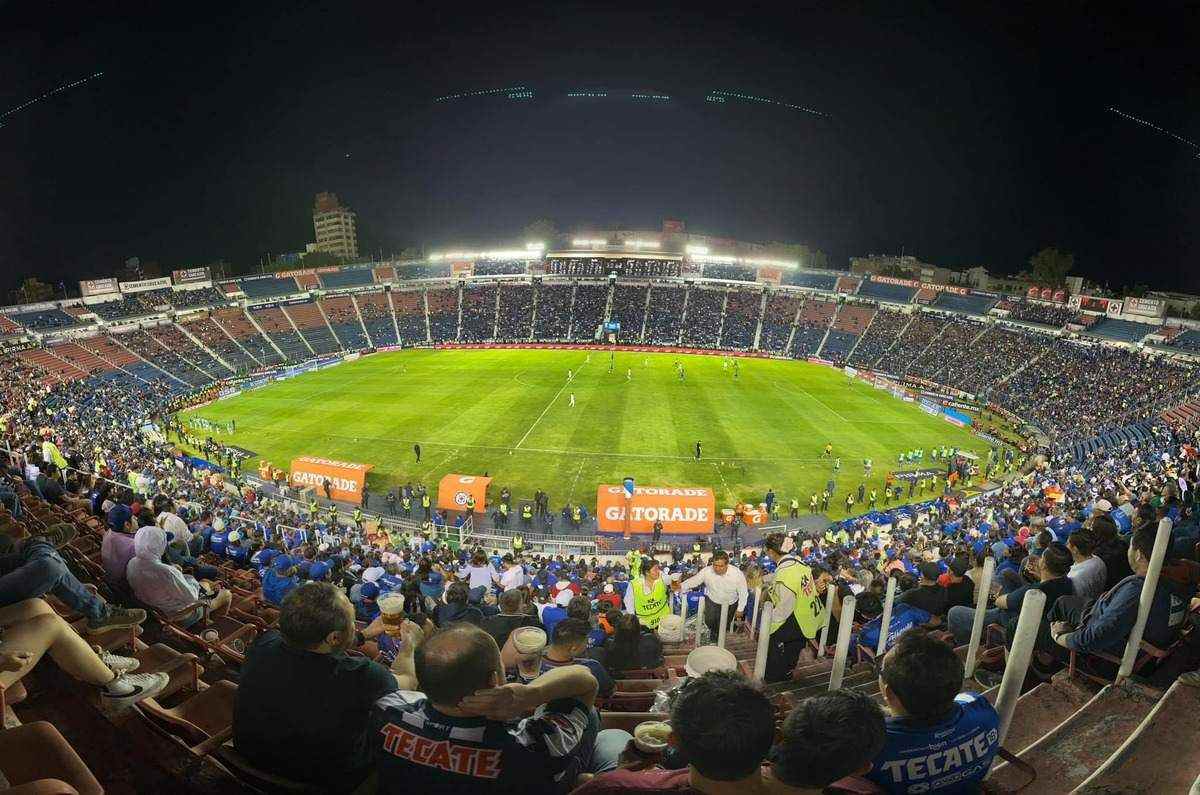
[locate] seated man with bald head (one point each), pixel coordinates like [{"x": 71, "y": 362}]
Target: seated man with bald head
[{"x": 468, "y": 731}]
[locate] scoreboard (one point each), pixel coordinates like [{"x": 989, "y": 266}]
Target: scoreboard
[{"x": 621, "y": 266}]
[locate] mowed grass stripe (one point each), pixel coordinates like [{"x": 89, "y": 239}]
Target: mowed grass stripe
[{"x": 469, "y": 408}]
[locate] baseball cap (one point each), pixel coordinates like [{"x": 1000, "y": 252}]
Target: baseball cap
[
  {"x": 318, "y": 571},
  {"x": 235, "y": 536},
  {"x": 608, "y": 588},
  {"x": 960, "y": 566},
  {"x": 282, "y": 563},
  {"x": 1000, "y": 550},
  {"x": 118, "y": 516},
  {"x": 564, "y": 597},
  {"x": 369, "y": 590}
]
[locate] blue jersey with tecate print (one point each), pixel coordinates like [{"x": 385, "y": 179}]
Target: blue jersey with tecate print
[{"x": 950, "y": 756}]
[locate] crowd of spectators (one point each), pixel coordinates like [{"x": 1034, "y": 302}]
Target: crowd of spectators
[
  {"x": 703, "y": 326},
  {"x": 741, "y": 320},
  {"x": 202, "y": 296},
  {"x": 880, "y": 336},
  {"x": 1056, "y": 315},
  {"x": 514, "y": 323},
  {"x": 664, "y": 315},
  {"x": 1000, "y": 351},
  {"x": 553, "y": 321},
  {"x": 478, "y": 313},
  {"x": 588, "y": 312},
  {"x": 1076, "y": 390},
  {"x": 1081, "y": 533},
  {"x": 956, "y": 335}
]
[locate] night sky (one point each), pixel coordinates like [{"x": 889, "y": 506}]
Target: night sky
[{"x": 973, "y": 139}]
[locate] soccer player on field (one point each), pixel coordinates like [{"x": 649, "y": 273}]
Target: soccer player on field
[
  {"x": 849, "y": 502},
  {"x": 629, "y": 374},
  {"x": 828, "y": 449},
  {"x": 572, "y": 400}
]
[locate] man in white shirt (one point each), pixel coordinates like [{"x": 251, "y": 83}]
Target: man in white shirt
[
  {"x": 723, "y": 585},
  {"x": 1089, "y": 573},
  {"x": 513, "y": 576}
]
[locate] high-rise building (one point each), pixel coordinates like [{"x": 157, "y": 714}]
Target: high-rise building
[{"x": 335, "y": 226}]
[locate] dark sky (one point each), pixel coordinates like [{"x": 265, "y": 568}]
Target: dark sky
[{"x": 964, "y": 139}]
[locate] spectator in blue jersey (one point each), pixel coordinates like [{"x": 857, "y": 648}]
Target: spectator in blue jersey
[
  {"x": 828, "y": 740},
  {"x": 280, "y": 580},
  {"x": 261, "y": 560},
  {"x": 567, "y": 645},
  {"x": 433, "y": 582},
  {"x": 556, "y": 611},
  {"x": 236, "y": 550},
  {"x": 870, "y": 610},
  {"x": 218, "y": 538},
  {"x": 468, "y": 731},
  {"x": 937, "y": 737},
  {"x": 367, "y": 608}
]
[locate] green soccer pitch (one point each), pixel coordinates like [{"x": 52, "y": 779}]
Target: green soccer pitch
[{"x": 507, "y": 413}]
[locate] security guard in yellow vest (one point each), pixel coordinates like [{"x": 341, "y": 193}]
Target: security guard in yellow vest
[
  {"x": 696, "y": 547},
  {"x": 527, "y": 515},
  {"x": 503, "y": 514},
  {"x": 425, "y": 504},
  {"x": 406, "y": 505},
  {"x": 795, "y": 610},
  {"x": 470, "y": 504},
  {"x": 648, "y": 596},
  {"x": 634, "y": 560},
  {"x": 518, "y": 542},
  {"x": 358, "y": 518}
]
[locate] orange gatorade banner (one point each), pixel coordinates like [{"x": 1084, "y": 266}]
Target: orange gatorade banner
[
  {"x": 346, "y": 479},
  {"x": 453, "y": 491},
  {"x": 682, "y": 510}
]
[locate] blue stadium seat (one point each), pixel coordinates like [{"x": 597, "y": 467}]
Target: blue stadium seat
[
  {"x": 1121, "y": 330},
  {"x": 973, "y": 304},
  {"x": 271, "y": 285},
  {"x": 812, "y": 279},
  {"x": 881, "y": 291},
  {"x": 349, "y": 277}
]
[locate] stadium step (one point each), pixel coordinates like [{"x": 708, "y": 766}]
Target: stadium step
[
  {"x": 1162, "y": 754},
  {"x": 1080, "y": 744},
  {"x": 1044, "y": 707}
]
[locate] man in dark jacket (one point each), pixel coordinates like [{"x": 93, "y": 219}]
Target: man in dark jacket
[{"x": 1104, "y": 625}]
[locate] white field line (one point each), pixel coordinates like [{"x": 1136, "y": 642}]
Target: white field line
[{"x": 557, "y": 395}]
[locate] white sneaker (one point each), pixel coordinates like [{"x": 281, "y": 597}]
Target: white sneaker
[
  {"x": 119, "y": 665},
  {"x": 140, "y": 686}
]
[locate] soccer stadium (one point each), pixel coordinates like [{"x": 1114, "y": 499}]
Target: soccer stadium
[
  {"x": 594, "y": 451},
  {"x": 378, "y": 426}
]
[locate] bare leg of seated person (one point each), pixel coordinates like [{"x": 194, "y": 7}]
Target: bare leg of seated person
[{"x": 32, "y": 630}]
